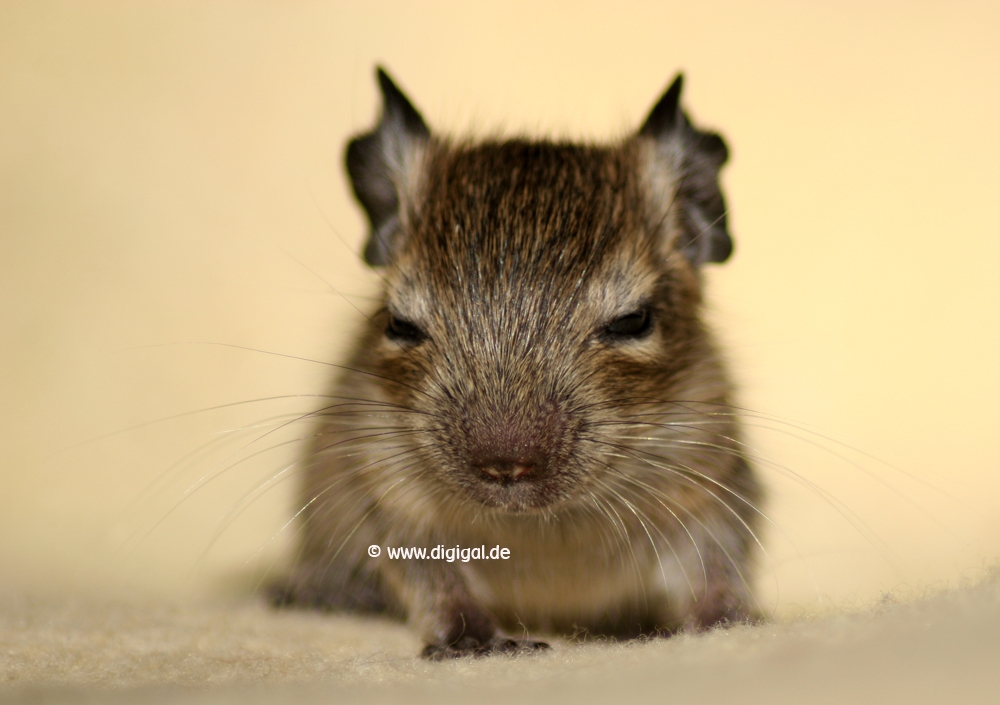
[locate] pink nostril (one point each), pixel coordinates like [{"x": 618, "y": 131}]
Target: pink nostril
[
  {"x": 521, "y": 470},
  {"x": 506, "y": 471}
]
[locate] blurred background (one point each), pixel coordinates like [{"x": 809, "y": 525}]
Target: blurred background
[{"x": 171, "y": 185}]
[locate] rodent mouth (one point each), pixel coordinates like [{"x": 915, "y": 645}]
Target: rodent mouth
[
  {"x": 513, "y": 505},
  {"x": 518, "y": 491}
]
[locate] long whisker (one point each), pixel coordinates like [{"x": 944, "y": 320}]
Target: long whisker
[
  {"x": 237, "y": 509},
  {"x": 248, "y": 498},
  {"x": 721, "y": 546},
  {"x": 661, "y": 496},
  {"x": 744, "y": 413},
  {"x": 840, "y": 456},
  {"x": 670, "y": 545},
  {"x": 643, "y": 518},
  {"x": 403, "y": 349},
  {"x": 229, "y": 434},
  {"x": 288, "y": 357},
  {"x": 217, "y": 407},
  {"x": 686, "y": 473},
  {"x": 218, "y": 472},
  {"x": 635, "y": 561},
  {"x": 856, "y": 521},
  {"x": 619, "y": 530}
]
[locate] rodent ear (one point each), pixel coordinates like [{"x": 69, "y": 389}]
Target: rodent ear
[
  {"x": 378, "y": 162},
  {"x": 693, "y": 158}
]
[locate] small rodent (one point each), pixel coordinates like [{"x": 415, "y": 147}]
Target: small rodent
[{"x": 537, "y": 377}]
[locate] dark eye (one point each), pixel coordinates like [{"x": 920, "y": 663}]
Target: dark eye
[
  {"x": 403, "y": 331},
  {"x": 634, "y": 325}
]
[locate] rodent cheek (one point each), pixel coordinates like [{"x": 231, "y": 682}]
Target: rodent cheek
[
  {"x": 644, "y": 351},
  {"x": 400, "y": 371}
]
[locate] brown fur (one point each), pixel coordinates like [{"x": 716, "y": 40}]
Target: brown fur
[{"x": 609, "y": 465}]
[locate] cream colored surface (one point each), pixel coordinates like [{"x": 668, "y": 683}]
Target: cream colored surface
[
  {"x": 942, "y": 649},
  {"x": 171, "y": 177}
]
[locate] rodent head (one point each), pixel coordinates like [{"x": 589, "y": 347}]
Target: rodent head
[{"x": 534, "y": 289}]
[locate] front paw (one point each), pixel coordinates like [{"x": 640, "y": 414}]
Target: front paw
[{"x": 469, "y": 646}]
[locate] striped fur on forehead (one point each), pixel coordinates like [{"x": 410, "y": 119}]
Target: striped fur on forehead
[
  {"x": 514, "y": 209},
  {"x": 525, "y": 220}
]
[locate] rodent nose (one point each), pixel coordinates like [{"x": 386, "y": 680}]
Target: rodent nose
[{"x": 505, "y": 471}]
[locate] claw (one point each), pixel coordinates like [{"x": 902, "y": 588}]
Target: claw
[{"x": 498, "y": 645}]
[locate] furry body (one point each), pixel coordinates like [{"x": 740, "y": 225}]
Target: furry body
[{"x": 539, "y": 378}]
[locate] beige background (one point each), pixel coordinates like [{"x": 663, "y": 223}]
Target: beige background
[{"x": 171, "y": 176}]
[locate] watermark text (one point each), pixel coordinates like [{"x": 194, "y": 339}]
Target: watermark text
[{"x": 441, "y": 553}]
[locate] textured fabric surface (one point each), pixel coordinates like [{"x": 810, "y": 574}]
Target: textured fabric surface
[{"x": 943, "y": 647}]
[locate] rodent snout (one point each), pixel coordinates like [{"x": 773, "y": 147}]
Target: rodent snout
[{"x": 508, "y": 455}]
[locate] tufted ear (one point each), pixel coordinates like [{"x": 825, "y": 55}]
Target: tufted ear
[
  {"x": 378, "y": 164},
  {"x": 693, "y": 159}
]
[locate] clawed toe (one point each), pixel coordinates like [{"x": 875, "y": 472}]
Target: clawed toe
[{"x": 467, "y": 647}]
